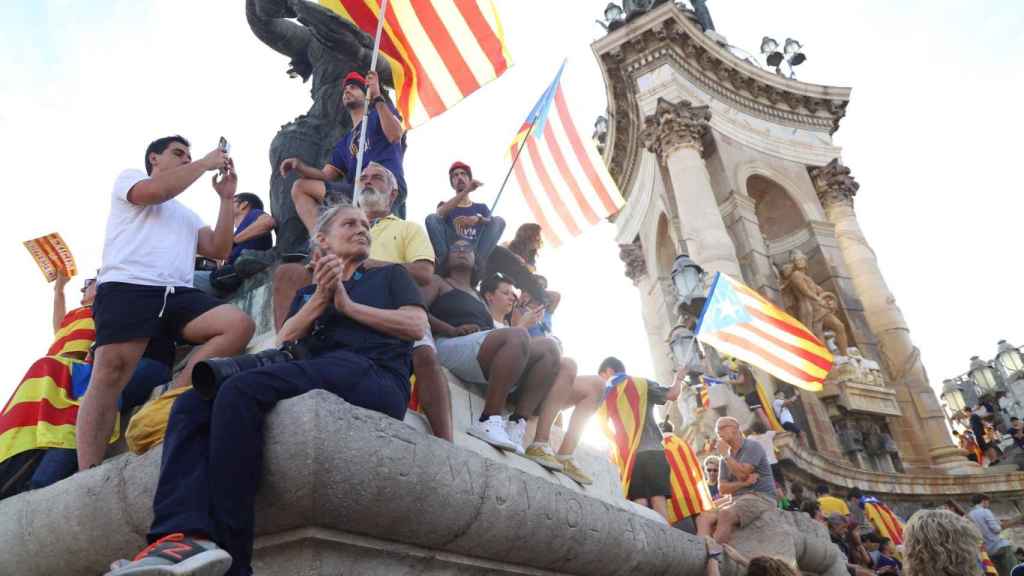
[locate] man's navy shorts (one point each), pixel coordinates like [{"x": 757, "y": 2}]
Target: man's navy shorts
[{"x": 126, "y": 312}]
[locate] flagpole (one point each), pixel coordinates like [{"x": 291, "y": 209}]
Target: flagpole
[
  {"x": 514, "y": 160},
  {"x": 366, "y": 100}
]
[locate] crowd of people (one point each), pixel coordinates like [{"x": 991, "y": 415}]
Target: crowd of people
[{"x": 377, "y": 302}]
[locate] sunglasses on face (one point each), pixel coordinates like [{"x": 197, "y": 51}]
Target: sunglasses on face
[
  {"x": 461, "y": 248},
  {"x": 87, "y": 284}
]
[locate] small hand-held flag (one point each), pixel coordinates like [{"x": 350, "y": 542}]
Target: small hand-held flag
[
  {"x": 563, "y": 179},
  {"x": 52, "y": 255},
  {"x": 741, "y": 323}
]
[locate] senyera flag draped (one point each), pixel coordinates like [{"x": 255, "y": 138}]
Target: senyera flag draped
[
  {"x": 743, "y": 324},
  {"x": 562, "y": 178},
  {"x": 440, "y": 51}
]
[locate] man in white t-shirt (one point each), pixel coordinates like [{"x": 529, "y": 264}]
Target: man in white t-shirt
[
  {"x": 145, "y": 284},
  {"x": 781, "y": 407}
]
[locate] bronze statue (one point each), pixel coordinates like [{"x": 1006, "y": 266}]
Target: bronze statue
[
  {"x": 814, "y": 307},
  {"x": 700, "y": 9},
  {"x": 323, "y": 47}
]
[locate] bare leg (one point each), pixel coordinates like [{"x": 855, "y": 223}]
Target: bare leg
[
  {"x": 586, "y": 397},
  {"x": 763, "y": 418},
  {"x": 542, "y": 367},
  {"x": 111, "y": 371},
  {"x": 308, "y": 195},
  {"x": 726, "y": 523},
  {"x": 288, "y": 279},
  {"x": 660, "y": 505},
  {"x": 224, "y": 331},
  {"x": 502, "y": 358},
  {"x": 432, "y": 388},
  {"x": 556, "y": 399},
  {"x": 642, "y": 502}
]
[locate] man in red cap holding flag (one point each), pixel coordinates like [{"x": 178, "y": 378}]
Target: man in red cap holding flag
[{"x": 383, "y": 146}]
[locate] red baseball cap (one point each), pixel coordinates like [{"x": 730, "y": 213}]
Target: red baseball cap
[
  {"x": 459, "y": 164},
  {"x": 355, "y": 78}
]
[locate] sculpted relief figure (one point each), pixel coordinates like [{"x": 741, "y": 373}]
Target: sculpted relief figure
[
  {"x": 324, "y": 48},
  {"x": 816, "y": 308}
]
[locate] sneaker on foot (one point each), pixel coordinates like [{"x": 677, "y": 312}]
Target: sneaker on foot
[
  {"x": 516, "y": 432},
  {"x": 542, "y": 454},
  {"x": 176, "y": 555},
  {"x": 573, "y": 471},
  {"x": 493, "y": 432}
]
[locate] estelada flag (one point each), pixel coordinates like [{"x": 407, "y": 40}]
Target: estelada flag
[
  {"x": 743, "y": 324},
  {"x": 440, "y": 51},
  {"x": 886, "y": 523},
  {"x": 563, "y": 179},
  {"x": 690, "y": 494},
  {"x": 52, "y": 255},
  {"x": 622, "y": 416}
]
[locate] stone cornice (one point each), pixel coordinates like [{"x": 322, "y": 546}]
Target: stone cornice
[
  {"x": 666, "y": 35},
  {"x": 833, "y": 183},
  {"x": 675, "y": 125}
]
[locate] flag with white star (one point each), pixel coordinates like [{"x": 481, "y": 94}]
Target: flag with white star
[{"x": 739, "y": 322}]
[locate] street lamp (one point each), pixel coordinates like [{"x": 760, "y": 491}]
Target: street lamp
[
  {"x": 684, "y": 349},
  {"x": 953, "y": 395},
  {"x": 1009, "y": 361},
  {"x": 983, "y": 376},
  {"x": 688, "y": 281}
]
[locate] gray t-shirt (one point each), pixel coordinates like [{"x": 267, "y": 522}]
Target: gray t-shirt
[
  {"x": 751, "y": 452},
  {"x": 650, "y": 436}
]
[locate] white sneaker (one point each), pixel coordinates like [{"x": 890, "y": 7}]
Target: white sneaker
[
  {"x": 516, "y": 432},
  {"x": 493, "y": 432}
]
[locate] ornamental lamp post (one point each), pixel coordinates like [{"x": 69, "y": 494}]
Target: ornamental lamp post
[
  {"x": 953, "y": 396},
  {"x": 688, "y": 281},
  {"x": 1009, "y": 361},
  {"x": 983, "y": 376}
]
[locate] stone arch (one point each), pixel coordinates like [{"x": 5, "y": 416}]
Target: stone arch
[{"x": 778, "y": 214}]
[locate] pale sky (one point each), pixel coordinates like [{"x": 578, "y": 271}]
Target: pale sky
[{"x": 931, "y": 134}]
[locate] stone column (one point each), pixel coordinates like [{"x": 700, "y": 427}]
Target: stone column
[
  {"x": 656, "y": 314},
  {"x": 675, "y": 134},
  {"x": 921, "y": 432}
]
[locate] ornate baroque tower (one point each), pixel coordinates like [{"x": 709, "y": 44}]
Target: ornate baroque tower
[{"x": 736, "y": 166}]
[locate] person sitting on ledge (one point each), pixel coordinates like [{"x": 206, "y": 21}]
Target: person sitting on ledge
[
  {"x": 335, "y": 181},
  {"x": 746, "y": 476},
  {"x": 501, "y": 362},
  {"x": 830, "y": 504},
  {"x": 394, "y": 241},
  {"x": 253, "y": 229},
  {"x": 359, "y": 324},
  {"x": 459, "y": 218},
  {"x": 586, "y": 391},
  {"x": 145, "y": 286}
]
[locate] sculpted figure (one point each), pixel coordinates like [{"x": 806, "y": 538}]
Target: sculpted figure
[
  {"x": 816, "y": 308},
  {"x": 323, "y": 47}
]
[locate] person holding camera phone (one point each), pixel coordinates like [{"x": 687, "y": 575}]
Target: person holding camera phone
[
  {"x": 358, "y": 324},
  {"x": 144, "y": 288}
]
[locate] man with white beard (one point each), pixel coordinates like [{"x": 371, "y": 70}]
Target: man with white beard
[{"x": 394, "y": 241}]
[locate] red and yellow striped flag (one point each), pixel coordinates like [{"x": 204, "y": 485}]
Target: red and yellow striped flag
[
  {"x": 703, "y": 397},
  {"x": 886, "y": 523},
  {"x": 76, "y": 333},
  {"x": 440, "y": 51},
  {"x": 622, "y": 417},
  {"x": 414, "y": 396},
  {"x": 766, "y": 405},
  {"x": 741, "y": 323},
  {"x": 987, "y": 566},
  {"x": 563, "y": 180},
  {"x": 690, "y": 494}
]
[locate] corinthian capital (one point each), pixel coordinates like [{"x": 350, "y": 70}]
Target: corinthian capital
[
  {"x": 833, "y": 183},
  {"x": 633, "y": 256},
  {"x": 675, "y": 125}
]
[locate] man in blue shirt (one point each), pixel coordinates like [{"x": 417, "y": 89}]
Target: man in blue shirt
[
  {"x": 358, "y": 324},
  {"x": 253, "y": 229},
  {"x": 999, "y": 549},
  {"x": 335, "y": 181},
  {"x": 459, "y": 218}
]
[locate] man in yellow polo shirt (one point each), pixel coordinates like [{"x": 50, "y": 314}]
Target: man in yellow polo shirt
[
  {"x": 830, "y": 504},
  {"x": 393, "y": 241}
]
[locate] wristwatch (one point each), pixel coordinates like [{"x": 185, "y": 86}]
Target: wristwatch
[{"x": 378, "y": 100}]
